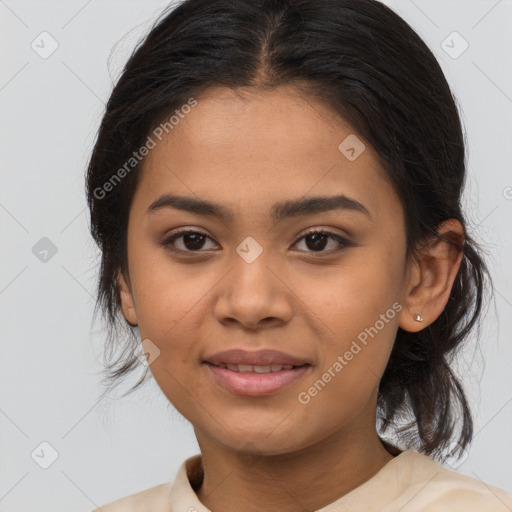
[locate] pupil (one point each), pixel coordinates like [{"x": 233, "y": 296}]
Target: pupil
[
  {"x": 315, "y": 237},
  {"x": 196, "y": 241},
  {"x": 196, "y": 244}
]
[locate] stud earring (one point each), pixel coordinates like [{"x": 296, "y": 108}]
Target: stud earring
[{"x": 418, "y": 318}]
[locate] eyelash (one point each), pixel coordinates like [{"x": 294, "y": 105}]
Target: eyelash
[{"x": 167, "y": 243}]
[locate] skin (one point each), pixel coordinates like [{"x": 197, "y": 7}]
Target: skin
[{"x": 248, "y": 151}]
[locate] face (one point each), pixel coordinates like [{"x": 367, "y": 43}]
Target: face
[{"x": 253, "y": 281}]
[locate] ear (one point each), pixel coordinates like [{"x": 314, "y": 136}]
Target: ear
[
  {"x": 431, "y": 277},
  {"x": 127, "y": 300}
]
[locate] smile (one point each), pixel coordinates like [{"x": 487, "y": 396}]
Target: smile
[
  {"x": 249, "y": 368},
  {"x": 256, "y": 380}
]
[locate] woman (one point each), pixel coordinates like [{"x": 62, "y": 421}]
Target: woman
[{"x": 275, "y": 189}]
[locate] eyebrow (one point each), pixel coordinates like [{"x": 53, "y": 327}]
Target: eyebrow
[{"x": 279, "y": 211}]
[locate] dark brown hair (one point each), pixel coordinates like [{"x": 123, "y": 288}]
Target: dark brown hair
[{"x": 368, "y": 66}]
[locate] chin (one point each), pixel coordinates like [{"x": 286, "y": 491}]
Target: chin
[{"x": 259, "y": 443}]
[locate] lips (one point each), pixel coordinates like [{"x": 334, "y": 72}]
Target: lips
[
  {"x": 253, "y": 384},
  {"x": 261, "y": 358},
  {"x": 248, "y": 368}
]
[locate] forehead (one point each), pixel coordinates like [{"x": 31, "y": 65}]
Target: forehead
[
  {"x": 243, "y": 122},
  {"x": 254, "y": 148}
]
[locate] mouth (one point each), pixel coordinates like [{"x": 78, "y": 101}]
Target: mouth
[
  {"x": 256, "y": 380},
  {"x": 261, "y": 369}
]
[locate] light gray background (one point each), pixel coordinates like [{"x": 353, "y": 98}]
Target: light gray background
[{"x": 51, "y": 355}]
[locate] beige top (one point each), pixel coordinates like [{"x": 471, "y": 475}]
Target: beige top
[{"x": 411, "y": 482}]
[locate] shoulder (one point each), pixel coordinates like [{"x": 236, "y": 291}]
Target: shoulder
[
  {"x": 163, "y": 497},
  {"x": 155, "y": 499},
  {"x": 434, "y": 488}
]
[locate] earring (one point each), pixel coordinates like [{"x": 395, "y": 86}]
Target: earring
[{"x": 418, "y": 318}]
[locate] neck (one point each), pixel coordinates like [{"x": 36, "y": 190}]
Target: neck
[{"x": 307, "y": 479}]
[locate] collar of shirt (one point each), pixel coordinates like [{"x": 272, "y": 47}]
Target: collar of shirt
[{"x": 410, "y": 482}]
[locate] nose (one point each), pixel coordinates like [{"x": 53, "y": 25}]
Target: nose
[{"x": 253, "y": 295}]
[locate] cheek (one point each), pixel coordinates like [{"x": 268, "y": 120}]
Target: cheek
[
  {"x": 170, "y": 306},
  {"x": 351, "y": 296},
  {"x": 168, "y": 295},
  {"x": 351, "y": 363},
  {"x": 355, "y": 309}
]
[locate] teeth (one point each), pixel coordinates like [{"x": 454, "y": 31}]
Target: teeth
[{"x": 248, "y": 368}]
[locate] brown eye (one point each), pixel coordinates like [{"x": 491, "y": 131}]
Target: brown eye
[
  {"x": 192, "y": 241},
  {"x": 317, "y": 241}
]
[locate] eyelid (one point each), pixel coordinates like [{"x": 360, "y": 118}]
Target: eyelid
[
  {"x": 343, "y": 241},
  {"x": 167, "y": 241}
]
